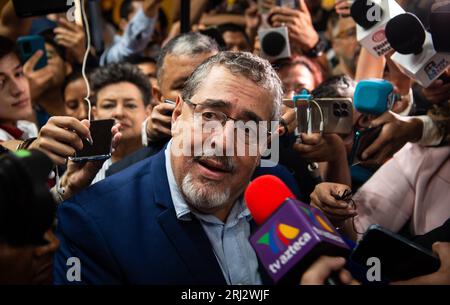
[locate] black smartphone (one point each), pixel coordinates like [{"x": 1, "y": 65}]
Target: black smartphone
[
  {"x": 102, "y": 139},
  {"x": 28, "y": 46},
  {"x": 362, "y": 140},
  {"x": 26, "y": 8},
  {"x": 400, "y": 259}
]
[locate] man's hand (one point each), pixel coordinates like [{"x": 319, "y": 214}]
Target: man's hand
[
  {"x": 317, "y": 148},
  {"x": 299, "y": 22},
  {"x": 438, "y": 92},
  {"x": 39, "y": 80},
  {"x": 440, "y": 277},
  {"x": 322, "y": 269},
  {"x": 151, "y": 7},
  {"x": 397, "y": 131},
  {"x": 61, "y": 137},
  {"x": 337, "y": 211},
  {"x": 160, "y": 122},
  {"x": 72, "y": 37},
  {"x": 79, "y": 175}
]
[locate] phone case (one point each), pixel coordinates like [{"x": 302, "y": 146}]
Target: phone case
[
  {"x": 361, "y": 141},
  {"x": 102, "y": 138},
  {"x": 400, "y": 258},
  {"x": 337, "y": 115},
  {"x": 28, "y": 45},
  {"x": 26, "y": 8}
]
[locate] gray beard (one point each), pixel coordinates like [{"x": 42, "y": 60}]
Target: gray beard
[{"x": 203, "y": 198}]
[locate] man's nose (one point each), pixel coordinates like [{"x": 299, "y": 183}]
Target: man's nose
[
  {"x": 16, "y": 87},
  {"x": 224, "y": 139}
]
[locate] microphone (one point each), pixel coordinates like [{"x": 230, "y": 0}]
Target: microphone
[
  {"x": 371, "y": 17},
  {"x": 291, "y": 234},
  {"x": 415, "y": 53},
  {"x": 275, "y": 43},
  {"x": 440, "y": 26},
  {"x": 374, "y": 96}
]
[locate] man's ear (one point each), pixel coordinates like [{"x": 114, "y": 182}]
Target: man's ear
[{"x": 178, "y": 109}]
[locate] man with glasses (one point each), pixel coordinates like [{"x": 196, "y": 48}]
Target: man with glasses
[{"x": 179, "y": 216}]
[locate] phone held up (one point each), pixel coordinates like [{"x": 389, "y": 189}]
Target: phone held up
[{"x": 101, "y": 146}]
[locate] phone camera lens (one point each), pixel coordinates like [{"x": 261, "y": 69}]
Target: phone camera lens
[{"x": 337, "y": 113}]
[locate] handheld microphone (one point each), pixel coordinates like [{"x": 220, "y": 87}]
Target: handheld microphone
[
  {"x": 374, "y": 96},
  {"x": 275, "y": 43},
  {"x": 371, "y": 17},
  {"x": 291, "y": 234},
  {"x": 415, "y": 53}
]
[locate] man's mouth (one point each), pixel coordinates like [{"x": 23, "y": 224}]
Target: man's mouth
[
  {"x": 21, "y": 103},
  {"x": 213, "y": 169}
]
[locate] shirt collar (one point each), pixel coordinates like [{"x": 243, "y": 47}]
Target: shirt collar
[{"x": 182, "y": 209}]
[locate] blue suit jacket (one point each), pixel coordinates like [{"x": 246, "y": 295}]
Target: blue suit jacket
[{"x": 125, "y": 230}]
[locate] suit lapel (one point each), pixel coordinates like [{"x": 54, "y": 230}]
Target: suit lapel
[{"x": 188, "y": 237}]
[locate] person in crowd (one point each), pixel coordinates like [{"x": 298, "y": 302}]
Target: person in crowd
[
  {"x": 74, "y": 91},
  {"x": 200, "y": 227},
  {"x": 412, "y": 190},
  {"x": 138, "y": 19},
  {"x": 148, "y": 66},
  {"x": 178, "y": 59},
  {"x": 123, "y": 93},
  {"x": 46, "y": 83},
  {"x": 235, "y": 37},
  {"x": 298, "y": 73},
  {"x": 15, "y": 99}
]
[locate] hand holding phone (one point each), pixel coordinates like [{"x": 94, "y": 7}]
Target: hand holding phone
[
  {"x": 362, "y": 140},
  {"x": 28, "y": 46},
  {"x": 101, "y": 146}
]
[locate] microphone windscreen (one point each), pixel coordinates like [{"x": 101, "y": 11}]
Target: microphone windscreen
[
  {"x": 440, "y": 26},
  {"x": 273, "y": 43},
  {"x": 361, "y": 13},
  {"x": 406, "y": 34},
  {"x": 264, "y": 195}
]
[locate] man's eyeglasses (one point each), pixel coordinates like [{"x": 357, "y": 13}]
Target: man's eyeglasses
[{"x": 248, "y": 131}]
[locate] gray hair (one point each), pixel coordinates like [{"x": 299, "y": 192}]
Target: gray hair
[
  {"x": 241, "y": 63},
  {"x": 185, "y": 44}
]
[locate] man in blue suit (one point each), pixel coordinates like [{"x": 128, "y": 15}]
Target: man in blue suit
[{"x": 179, "y": 216}]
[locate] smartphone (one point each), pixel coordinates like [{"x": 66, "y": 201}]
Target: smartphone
[
  {"x": 363, "y": 139},
  {"x": 26, "y": 8},
  {"x": 102, "y": 138},
  {"x": 28, "y": 46},
  {"x": 337, "y": 115},
  {"x": 288, "y": 3},
  {"x": 400, "y": 259}
]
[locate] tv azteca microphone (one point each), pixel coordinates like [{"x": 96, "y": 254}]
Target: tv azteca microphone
[
  {"x": 415, "y": 53},
  {"x": 371, "y": 17},
  {"x": 374, "y": 96},
  {"x": 292, "y": 235}
]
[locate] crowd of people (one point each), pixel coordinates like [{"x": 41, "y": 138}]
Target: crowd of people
[{"x": 149, "y": 214}]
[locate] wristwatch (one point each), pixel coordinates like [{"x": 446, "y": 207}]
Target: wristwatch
[{"x": 318, "y": 49}]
